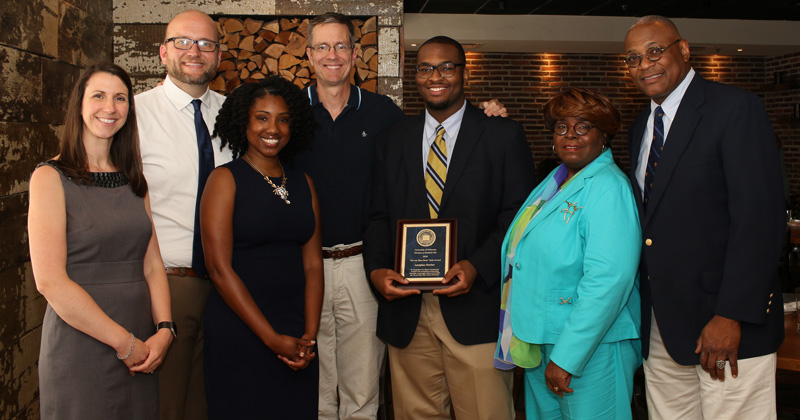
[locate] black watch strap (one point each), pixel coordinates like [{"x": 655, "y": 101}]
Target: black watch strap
[{"x": 173, "y": 328}]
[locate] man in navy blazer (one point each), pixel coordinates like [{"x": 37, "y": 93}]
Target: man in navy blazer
[
  {"x": 713, "y": 221},
  {"x": 441, "y": 344}
]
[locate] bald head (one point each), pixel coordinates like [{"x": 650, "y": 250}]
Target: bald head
[
  {"x": 664, "y": 56},
  {"x": 661, "y": 20},
  {"x": 191, "y": 18}
]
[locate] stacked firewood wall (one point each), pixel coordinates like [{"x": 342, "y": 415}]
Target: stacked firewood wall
[{"x": 252, "y": 49}]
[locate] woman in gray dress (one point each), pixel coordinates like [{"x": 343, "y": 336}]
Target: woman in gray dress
[{"x": 96, "y": 260}]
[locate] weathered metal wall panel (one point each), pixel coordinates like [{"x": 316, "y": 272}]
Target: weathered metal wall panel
[{"x": 43, "y": 46}]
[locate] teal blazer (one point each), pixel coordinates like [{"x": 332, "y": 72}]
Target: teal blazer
[{"x": 575, "y": 274}]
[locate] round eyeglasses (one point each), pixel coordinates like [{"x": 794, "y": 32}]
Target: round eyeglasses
[
  {"x": 580, "y": 128},
  {"x": 425, "y": 71},
  {"x": 653, "y": 54},
  {"x": 186, "y": 44}
]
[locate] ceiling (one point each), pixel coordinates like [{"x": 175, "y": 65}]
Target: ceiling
[{"x": 697, "y": 9}]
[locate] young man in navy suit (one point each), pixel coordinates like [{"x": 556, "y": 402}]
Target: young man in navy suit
[{"x": 441, "y": 343}]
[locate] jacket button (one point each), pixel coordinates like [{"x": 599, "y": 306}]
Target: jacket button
[
  {"x": 767, "y": 310},
  {"x": 516, "y": 265},
  {"x": 769, "y": 303},
  {"x": 770, "y": 295},
  {"x": 648, "y": 242}
]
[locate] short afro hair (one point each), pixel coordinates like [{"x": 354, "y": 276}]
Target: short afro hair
[{"x": 231, "y": 125}]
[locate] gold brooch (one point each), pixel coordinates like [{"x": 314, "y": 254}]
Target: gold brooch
[{"x": 570, "y": 210}]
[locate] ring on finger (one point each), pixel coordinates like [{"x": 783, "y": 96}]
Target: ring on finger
[
  {"x": 555, "y": 388},
  {"x": 720, "y": 364}
]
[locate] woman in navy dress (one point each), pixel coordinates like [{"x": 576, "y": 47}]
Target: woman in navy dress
[{"x": 260, "y": 227}]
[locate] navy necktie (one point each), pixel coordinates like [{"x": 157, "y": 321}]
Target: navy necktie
[
  {"x": 206, "y": 165},
  {"x": 655, "y": 153}
]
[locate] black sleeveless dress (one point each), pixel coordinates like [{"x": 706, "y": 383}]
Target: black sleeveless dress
[{"x": 244, "y": 378}]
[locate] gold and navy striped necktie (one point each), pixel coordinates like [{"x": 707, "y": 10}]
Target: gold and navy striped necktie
[{"x": 436, "y": 172}]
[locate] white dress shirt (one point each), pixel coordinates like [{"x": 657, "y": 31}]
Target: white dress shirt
[
  {"x": 670, "y": 107},
  {"x": 165, "y": 116},
  {"x": 451, "y": 127}
]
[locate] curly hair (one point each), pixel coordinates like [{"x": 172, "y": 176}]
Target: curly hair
[
  {"x": 584, "y": 103},
  {"x": 233, "y": 118}
]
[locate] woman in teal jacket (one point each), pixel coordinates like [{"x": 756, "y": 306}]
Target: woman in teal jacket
[{"x": 572, "y": 253}]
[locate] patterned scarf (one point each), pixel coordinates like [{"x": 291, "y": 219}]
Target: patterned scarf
[{"x": 511, "y": 351}]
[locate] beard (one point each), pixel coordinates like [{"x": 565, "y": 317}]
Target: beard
[
  {"x": 438, "y": 105},
  {"x": 174, "y": 71}
]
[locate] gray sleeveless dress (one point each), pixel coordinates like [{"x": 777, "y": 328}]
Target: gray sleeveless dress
[{"x": 80, "y": 378}]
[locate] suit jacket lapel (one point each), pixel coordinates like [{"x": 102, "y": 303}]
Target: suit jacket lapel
[
  {"x": 412, "y": 153},
  {"x": 635, "y": 146},
  {"x": 558, "y": 202},
  {"x": 680, "y": 134},
  {"x": 468, "y": 136}
]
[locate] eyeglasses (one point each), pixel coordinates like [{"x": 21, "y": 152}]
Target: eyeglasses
[
  {"x": 186, "y": 44},
  {"x": 653, "y": 54},
  {"x": 580, "y": 128},
  {"x": 340, "y": 48},
  {"x": 445, "y": 69}
]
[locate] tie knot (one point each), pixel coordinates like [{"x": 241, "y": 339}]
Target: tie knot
[
  {"x": 196, "y": 104},
  {"x": 440, "y": 132}
]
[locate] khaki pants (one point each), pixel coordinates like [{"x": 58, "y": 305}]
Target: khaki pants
[
  {"x": 435, "y": 371},
  {"x": 350, "y": 354},
  {"x": 182, "y": 390},
  {"x": 689, "y": 393}
]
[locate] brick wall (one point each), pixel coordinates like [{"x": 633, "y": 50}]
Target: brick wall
[
  {"x": 43, "y": 46},
  {"x": 780, "y": 99},
  {"x": 525, "y": 81}
]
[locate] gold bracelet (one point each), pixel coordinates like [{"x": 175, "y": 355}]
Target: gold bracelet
[{"x": 133, "y": 344}]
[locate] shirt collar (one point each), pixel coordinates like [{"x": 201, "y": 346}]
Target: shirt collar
[
  {"x": 354, "y": 101},
  {"x": 673, "y": 100},
  {"x": 451, "y": 125},
  {"x": 180, "y": 99}
]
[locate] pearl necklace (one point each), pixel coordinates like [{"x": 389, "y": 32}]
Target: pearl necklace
[{"x": 281, "y": 191}]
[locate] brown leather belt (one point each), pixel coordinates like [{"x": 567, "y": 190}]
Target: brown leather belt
[
  {"x": 182, "y": 272},
  {"x": 342, "y": 253}
]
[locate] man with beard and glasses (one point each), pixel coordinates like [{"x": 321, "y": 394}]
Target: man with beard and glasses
[
  {"x": 175, "y": 120},
  {"x": 441, "y": 344}
]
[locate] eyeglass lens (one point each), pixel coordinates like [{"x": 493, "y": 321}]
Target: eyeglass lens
[
  {"x": 186, "y": 44},
  {"x": 653, "y": 54},
  {"x": 444, "y": 69},
  {"x": 581, "y": 129},
  {"x": 340, "y": 47}
]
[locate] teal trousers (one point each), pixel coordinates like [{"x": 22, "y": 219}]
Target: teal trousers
[{"x": 603, "y": 391}]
